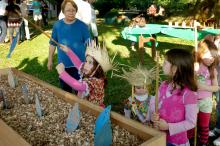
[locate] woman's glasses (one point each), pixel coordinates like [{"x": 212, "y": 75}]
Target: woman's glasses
[{"x": 70, "y": 11}]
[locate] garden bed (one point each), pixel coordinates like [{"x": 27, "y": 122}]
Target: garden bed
[{"x": 56, "y": 104}]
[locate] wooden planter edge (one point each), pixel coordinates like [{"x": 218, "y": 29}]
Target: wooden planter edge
[
  {"x": 153, "y": 136},
  {"x": 9, "y": 137}
]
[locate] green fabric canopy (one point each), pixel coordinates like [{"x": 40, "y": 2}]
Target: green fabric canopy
[
  {"x": 132, "y": 33},
  {"x": 188, "y": 34}
]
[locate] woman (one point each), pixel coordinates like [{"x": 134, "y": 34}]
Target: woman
[{"x": 70, "y": 32}]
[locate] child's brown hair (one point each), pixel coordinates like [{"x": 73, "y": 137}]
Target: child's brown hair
[
  {"x": 184, "y": 62},
  {"x": 202, "y": 48}
]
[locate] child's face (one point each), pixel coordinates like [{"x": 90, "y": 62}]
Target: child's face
[
  {"x": 207, "y": 58},
  {"x": 140, "y": 90},
  {"x": 88, "y": 66},
  {"x": 167, "y": 68}
]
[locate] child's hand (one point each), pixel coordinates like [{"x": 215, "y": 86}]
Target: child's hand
[
  {"x": 155, "y": 117},
  {"x": 64, "y": 48},
  {"x": 161, "y": 124},
  {"x": 60, "y": 68},
  {"x": 196, "y": 66}
]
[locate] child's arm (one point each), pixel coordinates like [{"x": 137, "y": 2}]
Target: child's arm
[
  {"x": 211, "y": 88},
  {"x": 140, "y": 116},
  {"x": 75, "y": 84},
  {"x": 73, "y": 57},
  {"x": 188, "y": 123}
]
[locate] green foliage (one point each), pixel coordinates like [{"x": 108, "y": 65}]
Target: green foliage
[
  {"x": 217, "y": 10},
  {"x": 163, "y": 2},
  {"x": 113, "y": 12},
  {"x": 105, "y": 6},
  {"x": 140, "y": 4},
  {"x": 52, "y": 1},
  {"x": 110, "y": 17},
  {"x": 171, "y": 6}
]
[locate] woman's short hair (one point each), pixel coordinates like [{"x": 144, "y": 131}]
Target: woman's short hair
[{"x": 68, "y": 1}]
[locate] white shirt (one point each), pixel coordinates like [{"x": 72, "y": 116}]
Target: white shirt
[
  {"x": 24, "y": 9},
  {"x": 93, "y": 25},
  {"x": 84, "y": 12},
  {"x": 3, "y": 5}
]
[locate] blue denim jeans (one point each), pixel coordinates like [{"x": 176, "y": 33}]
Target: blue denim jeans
[{"x": 217, "y": 94}]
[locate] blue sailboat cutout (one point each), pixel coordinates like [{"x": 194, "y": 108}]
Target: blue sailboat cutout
[
  {"x": 11, "y": 79},
  {"x": 73, "y": 119},
  {"x": 25, "y": 93},
  {"x": 38, "y": 106},
  {"x": 1, "y": 95},
  {"x": 5, "y": 103},
  {"x": 4, "y": 99},
  {"x": 103, "y": 131}
]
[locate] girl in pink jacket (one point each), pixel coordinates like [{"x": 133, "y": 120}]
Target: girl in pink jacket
[{"x": 177, "y": 98}]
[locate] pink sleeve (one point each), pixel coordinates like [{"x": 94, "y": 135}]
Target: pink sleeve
[
  {"x": 189, "y": 122},
  {"x": 190, "y": 97},
  {"x": 74, "y": 58},
  {"x": 191, "y": 110},
  {"x": 75, "y": 84}
]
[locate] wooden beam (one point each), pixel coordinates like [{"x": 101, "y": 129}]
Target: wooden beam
[
  {"x": 143, "y": 40},
  {"x": 8, "y": 137}
]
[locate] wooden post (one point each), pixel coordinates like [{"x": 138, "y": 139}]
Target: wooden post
[
  {"x": 157, "y": 81},
  {"x": 143, "y": 40},
  {"x": 141, "y": 49},
  {"x": 196, "y": 50},
  {"x": 153, "y": 48},
  {"x": 195, "y": 37},
  {"x": 132, "y": 93},
  {"x": 140, "y": 42}
]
